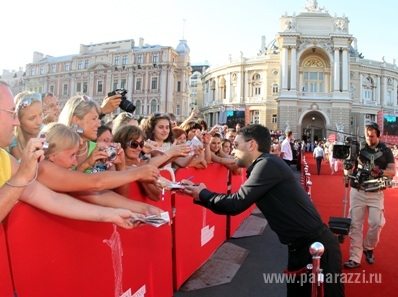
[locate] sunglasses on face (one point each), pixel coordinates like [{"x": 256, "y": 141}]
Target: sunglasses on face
[
  {"x": 135, "y": 144},
  {"x": 28, "y": 100}
]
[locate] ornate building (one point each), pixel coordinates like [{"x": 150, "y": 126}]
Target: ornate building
[
  {"x": 156, "y": 77},
  {"x": 310, "y": 79}
]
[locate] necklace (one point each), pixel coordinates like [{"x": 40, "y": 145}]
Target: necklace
[{"x": 84, "y": 151}]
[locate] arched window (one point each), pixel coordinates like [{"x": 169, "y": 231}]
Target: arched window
[
  {"x": 367, "y": 86},
  {"x": 275, "y": 89},
  {"x": 138, "y": 105},
  {"x": 154, "y": 105},
  {"x": 313, "y": 75}
]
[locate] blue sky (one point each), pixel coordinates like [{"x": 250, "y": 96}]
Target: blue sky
[{"x": 214, "y": 29}]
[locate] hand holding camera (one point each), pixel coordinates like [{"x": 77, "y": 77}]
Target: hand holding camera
[{"x": 124, "y": 104}]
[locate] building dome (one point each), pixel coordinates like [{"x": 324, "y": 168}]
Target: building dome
[{"x": 183, "y": 48}]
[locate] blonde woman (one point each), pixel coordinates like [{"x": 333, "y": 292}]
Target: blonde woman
[
  {"x": 60, "y": 157},
  {"x": 30, "y": 115}
]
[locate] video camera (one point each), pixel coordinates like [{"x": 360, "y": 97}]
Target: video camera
[
  {"x": 348, "y": 152},
  {"x": 125, "y": 105}
]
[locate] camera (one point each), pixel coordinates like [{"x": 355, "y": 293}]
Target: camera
[
  {"x": 348, "y": 152},
  {"x": 112, "y": 153},
  {"x": 79, "y": 130},
  {"x": 45, "y": 144},
  {"x": 126, "y": 105}
]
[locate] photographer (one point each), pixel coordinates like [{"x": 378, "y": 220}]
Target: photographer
[{"x": 374, "y": 166}]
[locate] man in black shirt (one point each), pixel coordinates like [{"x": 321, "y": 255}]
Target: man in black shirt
[
  {"x": 375, "y": 163},
  {"x": 272, "y": 186}
]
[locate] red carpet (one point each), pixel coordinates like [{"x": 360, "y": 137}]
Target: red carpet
[{"x": 379, "y": 279}]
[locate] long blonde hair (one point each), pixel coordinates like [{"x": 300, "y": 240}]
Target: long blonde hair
[
  {"x": 20, "y": 136},
  {"x": 59, "y": 138}
]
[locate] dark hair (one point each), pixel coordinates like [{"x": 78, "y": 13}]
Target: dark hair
[
  {"x": 126, "y": 133},
  {"x": 102, "y": 129},
  {"x": 259, "y": 133},
  {"x": 149, "y": 126},
  {"x": 203, "y": 123},
  {"x": 46, "y": 94},
  {"x": 190, "y": 126},
  {"x": 373, "y": 126}
]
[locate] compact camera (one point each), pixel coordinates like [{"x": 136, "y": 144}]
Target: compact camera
[
  {"x": 112, "y": 153},
  {"x": 126, "y": 105}
]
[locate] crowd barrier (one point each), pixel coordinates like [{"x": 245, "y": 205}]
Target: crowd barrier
[
  {"x": 6, "y": 286},
  {"x": 55, "y": 256}
]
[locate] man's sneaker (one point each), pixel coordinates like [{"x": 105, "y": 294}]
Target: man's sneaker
[
  {"x": 370, "y": 259},
  {"x": 351, "y": 264}
]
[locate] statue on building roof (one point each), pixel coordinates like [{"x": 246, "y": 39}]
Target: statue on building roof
[{"x": 312, "y": 6}]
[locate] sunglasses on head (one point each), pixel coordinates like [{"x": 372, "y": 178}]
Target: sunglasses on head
[
  {"x": 86, "y": 98},
  {"x": 135, "y": 144},
  {"x": 28, "y": 100},
  {"x": 161, "y": 115}
]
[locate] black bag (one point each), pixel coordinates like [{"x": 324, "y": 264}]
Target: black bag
[{"x": 339, "y": 225}]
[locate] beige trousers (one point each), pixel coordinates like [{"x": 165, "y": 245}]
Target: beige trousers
[{"x": 360, "y": 202}]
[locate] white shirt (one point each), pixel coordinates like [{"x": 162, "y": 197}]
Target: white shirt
[{"x": 286, "y": 149}]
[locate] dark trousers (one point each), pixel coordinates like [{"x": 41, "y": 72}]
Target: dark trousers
[
  {"x": 318, "y": 164},
  {"x": 331, "y": 263},
  {"x": 288, "y": 162}
]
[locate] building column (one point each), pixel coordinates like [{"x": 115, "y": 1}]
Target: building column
[
  {"x": 285, "y": 73},
  {"x": 293, "y": 69},
  {"x": 130, "y": 86},
  {"x": 336, "y": 82},
  {"x": 345, "y": 70},
  {"x": 360, "y": 88},
  {"x": 384, "y": 90},
  {"x": 394, "y": 94},
  {"x": 378, "y": 90}
]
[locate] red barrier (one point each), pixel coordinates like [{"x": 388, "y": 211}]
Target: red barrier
[
  {"x": 152, "y": 257},
  {"x": 233, "y": 222},
  {"x": 6, "y": 287},
  {"x": 55, "y": 256},
  {"x": 198, "y": 232}
]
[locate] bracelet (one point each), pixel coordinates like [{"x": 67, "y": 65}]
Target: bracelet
[{"x": 28, "y": 183}]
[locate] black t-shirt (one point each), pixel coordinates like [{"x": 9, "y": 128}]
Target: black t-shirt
[{"x": 272, "y": 186}]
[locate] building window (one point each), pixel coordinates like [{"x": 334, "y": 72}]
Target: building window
[
  {"x": 367, "y": 86},
  {"x": 194, "y": 83},
  {"x": 52, "y": 89},
  {"x": 178, "y": 109},
  {"x": 117, "y": 60},
  {"x": 80, "y": 65},
  {"x": 153, "y": 106},
  {"x": 155, "y": 58},
  {"x": 115, "y": 84},
  {"x": 86, "y": 64},
  {"x": 67, "y": 67},
  {"x": 99, "y": 86},
  {"x": 78, "y": 87},
  {"x": 257, "y": 91},
  {"x": 123, "y": 84},
  {"x": 125, "y": 60},
  {"x": 178, "y": 86},
  {"x": 139, "y": 59},
  {"x": 65, "y": 92},
  {"x": 138, "y": 84},
  {"x": 313, "y": 82},
  {"x": 138, "y": 105},
  {"x": 274, "y": 119},
  {"x": 255, "y": 117},
  {"x": 275, "y": 89},
  {"x": 154, "y": 84},
  {"x": 85, "y": 87},
  {"x": 41, "y": 70},
  {"x": 53, "y": 68}
]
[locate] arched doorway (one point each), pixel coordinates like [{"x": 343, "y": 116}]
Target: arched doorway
[{"x": 313, "y": 127}]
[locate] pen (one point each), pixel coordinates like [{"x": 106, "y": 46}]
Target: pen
[{"x": 189, "y": 178}]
